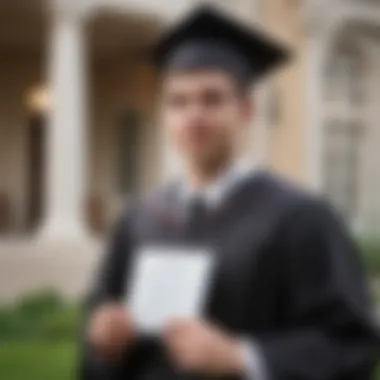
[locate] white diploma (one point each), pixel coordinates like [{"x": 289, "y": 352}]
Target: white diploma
[{"x": 168, "y": 283}]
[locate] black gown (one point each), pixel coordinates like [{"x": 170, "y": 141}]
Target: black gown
[{"x": 287, "y": 276}]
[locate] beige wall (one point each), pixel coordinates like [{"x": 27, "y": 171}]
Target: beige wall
[{"x": 287, "y": 138}]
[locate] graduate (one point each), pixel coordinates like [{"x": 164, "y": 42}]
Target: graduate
[{"x": 288, "y": 299}]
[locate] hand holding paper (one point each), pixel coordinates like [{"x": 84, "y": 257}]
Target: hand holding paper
[
  {"x": 197, "y": 346},
  {"x": 168, "y": 283},
  {"x": 111, "y": 331}
]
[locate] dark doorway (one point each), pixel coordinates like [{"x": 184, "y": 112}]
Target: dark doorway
[
  {"x": 36, "y": 149},
  {"x": 128, "y": 145}
]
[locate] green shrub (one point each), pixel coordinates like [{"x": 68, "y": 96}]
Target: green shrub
[
  {"x": 370, "y": 249},
  {"x": 61, "y": 324},
  {"x": 42, "y": 315},
  {"x": 41, "y": 302}
]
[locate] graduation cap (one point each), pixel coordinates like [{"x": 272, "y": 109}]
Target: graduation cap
[{"x": 210, "y": 39}]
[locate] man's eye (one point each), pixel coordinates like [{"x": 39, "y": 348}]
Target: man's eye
[
  {"x": 213, "y": 99},
  {"x": 177, "y": 101}
]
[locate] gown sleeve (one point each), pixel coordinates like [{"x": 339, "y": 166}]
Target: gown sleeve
[
  {"x": 329, "y": 330},
  {"x": 108, "y": 286}
]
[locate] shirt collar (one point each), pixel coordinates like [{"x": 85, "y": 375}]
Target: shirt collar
[{"x": 215, "y": 193}]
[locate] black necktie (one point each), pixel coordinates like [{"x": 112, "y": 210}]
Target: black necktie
[{"x": 196, "y": 213}]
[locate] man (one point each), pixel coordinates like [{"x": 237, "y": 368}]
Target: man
[{"x": 288, "y": 298}]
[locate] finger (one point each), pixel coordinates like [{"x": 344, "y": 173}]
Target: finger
[
  {"x": 183, "y": 351},
  {"x": 178, "y": 324},
  {"x": 176, "y": 328},
  {"x": 189, "y": 359}
]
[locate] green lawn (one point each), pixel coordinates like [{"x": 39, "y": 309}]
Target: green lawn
[
  {"x": 37, "y": 339},
  {"x": 37, "y": 360},
  {"x": 43, "y": 361}
]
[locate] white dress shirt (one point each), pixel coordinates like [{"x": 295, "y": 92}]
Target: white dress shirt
[{"x": 213, "y": 195}]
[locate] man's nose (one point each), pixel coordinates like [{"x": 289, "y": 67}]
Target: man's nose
[{"x": 195, "y": 114}]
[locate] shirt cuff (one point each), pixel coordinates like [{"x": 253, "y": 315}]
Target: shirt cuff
[{"x": 255, "y": 366}]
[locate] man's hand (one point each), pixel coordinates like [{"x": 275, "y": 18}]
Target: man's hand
[
  {"x": 111, "y": 331},
  {"x": 201, "y": 347}
]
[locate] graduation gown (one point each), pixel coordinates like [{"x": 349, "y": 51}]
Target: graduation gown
[{"x": 287, "y": 276}]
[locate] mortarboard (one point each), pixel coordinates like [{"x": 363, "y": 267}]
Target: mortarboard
[{"x": 207, "y": 38}]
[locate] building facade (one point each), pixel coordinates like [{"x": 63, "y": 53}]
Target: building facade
[
  {"x": 79, "y": 134},
  {"x": 78, "y": 127}
]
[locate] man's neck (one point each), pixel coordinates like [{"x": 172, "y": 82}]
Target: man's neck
[{"x": 201, "y": 176}]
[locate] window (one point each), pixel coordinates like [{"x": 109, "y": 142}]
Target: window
[
  {"x": 343, "y": 130},
  {"x": 342, "y": 165},
  {"x": 344, "y": 81}
]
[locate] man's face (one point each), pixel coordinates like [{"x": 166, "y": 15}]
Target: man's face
[{"x": 206, "y": 113}]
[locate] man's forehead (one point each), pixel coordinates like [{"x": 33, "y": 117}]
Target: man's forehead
[{"x": 197, "y": 79}]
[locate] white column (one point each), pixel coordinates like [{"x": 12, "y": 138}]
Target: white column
[
  {"x": 316, "y": 121},
  {"x": 326, "y": 19},
  {"x": 376, "y": 143},
  {"x": 371, "y": 136},
  {"x": 66, "y": 143},
  {"x": 323, "y": 33}
]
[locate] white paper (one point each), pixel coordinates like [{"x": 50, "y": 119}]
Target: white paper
[{"x": 167, "y": 283}]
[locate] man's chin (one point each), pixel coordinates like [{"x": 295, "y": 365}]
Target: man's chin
[{"x": 204, "y": 161}]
